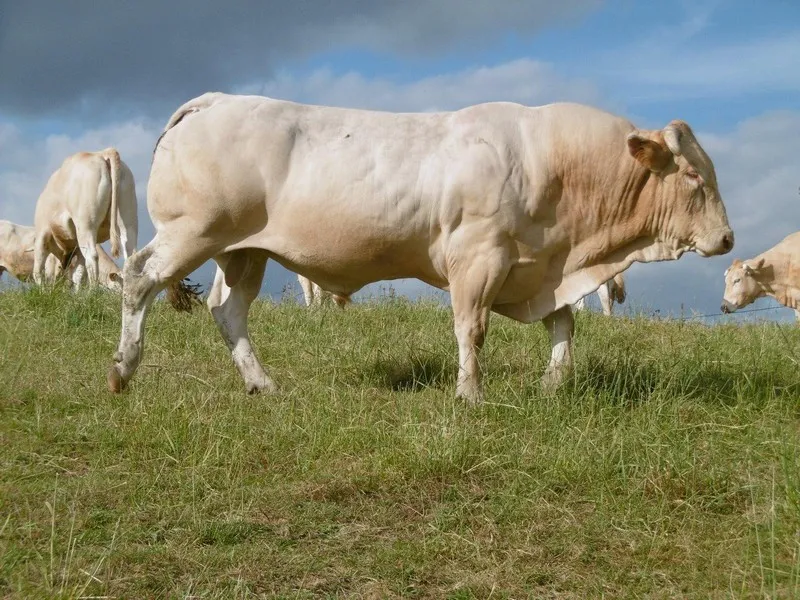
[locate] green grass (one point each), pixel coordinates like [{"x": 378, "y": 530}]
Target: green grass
[{"x": 669, "y": 467}]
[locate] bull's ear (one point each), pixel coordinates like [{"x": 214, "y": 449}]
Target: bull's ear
[
  {"x": 759, "y": 263},
  {"x": 650, "y": 153}
]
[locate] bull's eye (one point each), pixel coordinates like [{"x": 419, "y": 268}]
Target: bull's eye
[
  {"x": 737, "y": 280},
  {"x": 692, "y": 174}
]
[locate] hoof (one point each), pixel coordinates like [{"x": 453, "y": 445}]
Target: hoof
[
  {"x": 472, "y": 397},
  {"x": 265, "y": 387},
  {"x": 115, "y": 382},
  {"x": 552, "y": 380}
]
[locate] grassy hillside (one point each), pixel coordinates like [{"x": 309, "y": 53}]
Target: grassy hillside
[{"x": 669, "y": 467}]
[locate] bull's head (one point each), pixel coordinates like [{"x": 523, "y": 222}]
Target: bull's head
[
  {"x": 741, "y": 285},
  {"x": 691, "y": 213}
]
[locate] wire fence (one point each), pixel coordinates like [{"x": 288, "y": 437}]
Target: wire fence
[{"x": 738, "y": 312}]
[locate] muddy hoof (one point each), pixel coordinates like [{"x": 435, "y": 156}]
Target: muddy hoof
[{"x": 115, "y": 381}]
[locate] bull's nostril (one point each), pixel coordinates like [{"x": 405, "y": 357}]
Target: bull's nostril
[{"x": 727, "y": 242}]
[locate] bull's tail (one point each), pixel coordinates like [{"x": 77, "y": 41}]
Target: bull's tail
[
  {"x": 111, "y": 156},
  {"x": 619, "y": 288},
  {"x": 183, "y": 295},
  {"x": 192, "y": 106}
]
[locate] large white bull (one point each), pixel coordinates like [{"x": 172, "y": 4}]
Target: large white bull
[
  {"x": 513, "y": 209},
  {"x": 90, "y": 198}
]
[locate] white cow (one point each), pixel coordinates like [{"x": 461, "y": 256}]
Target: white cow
[
  {"x": 513, "y": 209},
  {"x": 774, "y": 273},
  {"x": 16, "y": 253},
  {"x": 16, "y": 257},
  {"x": 315, "y": 295},
  {"x": 90, "y": 198},
  {"x": 109, "y": 274},
  {"x": 609, "y": 292}
]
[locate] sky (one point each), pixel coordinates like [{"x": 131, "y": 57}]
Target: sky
[{"x": 83, "y": 76}]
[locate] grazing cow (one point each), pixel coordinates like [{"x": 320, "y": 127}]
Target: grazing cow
[
  {"x": 774, "y": 273},
  {"x": 609, "y": 292},
  {"x": 16, "y": 253},
  {"x": 90, "y": 198},
  {"x": 312, "y": 293},
  {"x": 513, "y": 209},
  {"x": 109, "y": 274},
  {"x": 16, "y": 257}
]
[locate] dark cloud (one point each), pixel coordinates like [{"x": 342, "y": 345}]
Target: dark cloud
[{"x": 121, "y": 59}]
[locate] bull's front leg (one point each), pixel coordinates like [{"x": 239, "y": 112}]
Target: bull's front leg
[
  {"x": 560, "y": 326},
  {"x": 472, "y": 292}
]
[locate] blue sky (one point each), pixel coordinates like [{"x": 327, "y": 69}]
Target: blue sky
[{"x": 731, "y": 69}]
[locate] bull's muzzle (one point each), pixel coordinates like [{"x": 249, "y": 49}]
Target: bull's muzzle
[
  {"x": 727, "y": 242},
  {"x": 727, "y": 307}
]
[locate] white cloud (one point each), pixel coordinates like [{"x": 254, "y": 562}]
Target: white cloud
[
  {"x": 759, "y": 178},
  {"x": 526, "y": 81},
  {"x": 679, "y": 62}
]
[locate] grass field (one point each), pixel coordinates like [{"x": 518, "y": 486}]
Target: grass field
[{"x": 668, "y": 468}]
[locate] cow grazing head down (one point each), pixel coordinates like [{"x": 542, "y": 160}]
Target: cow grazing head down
[
  {"x": 741, "y": 285},
  {"x": 687, "y": 186},
  {"x": 114, "y": 282}
]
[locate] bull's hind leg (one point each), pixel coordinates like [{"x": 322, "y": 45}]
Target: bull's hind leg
[
  {"x": 560, "y": 326},
  {"x": 167, "y": 258},
  {"x": 87, "y": 240},
  {"x": 236, "y": 284}
]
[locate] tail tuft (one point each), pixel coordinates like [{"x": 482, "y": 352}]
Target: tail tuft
[
  {"x": 184, "y": 295},
  {"x": 341, "y": 301},
  {"x": 619, "y": 288}
]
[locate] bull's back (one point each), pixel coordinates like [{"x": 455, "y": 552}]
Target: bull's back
[{"x": 339, "y": 189}]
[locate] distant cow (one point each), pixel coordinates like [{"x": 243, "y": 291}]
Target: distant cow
[
  {"x": 109, "y": 275},
  {"x": 774, "y": 273},
  {"x": 90, "y": 198},
  {"x": 611, "y": 291},
  {"x": 16, "y": 253},
  {"x": 517, "y": 210},
  {"x": 315, "y": 295},
  {"x": 16, "y": 257}
]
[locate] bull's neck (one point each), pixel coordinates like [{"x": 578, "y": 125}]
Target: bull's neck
[
  {"x": 778, "y": 277},
  {"x": 616, "y": 212}
]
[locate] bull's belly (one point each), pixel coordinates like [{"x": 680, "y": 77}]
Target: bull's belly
[{"x": 346, "y": 265}]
